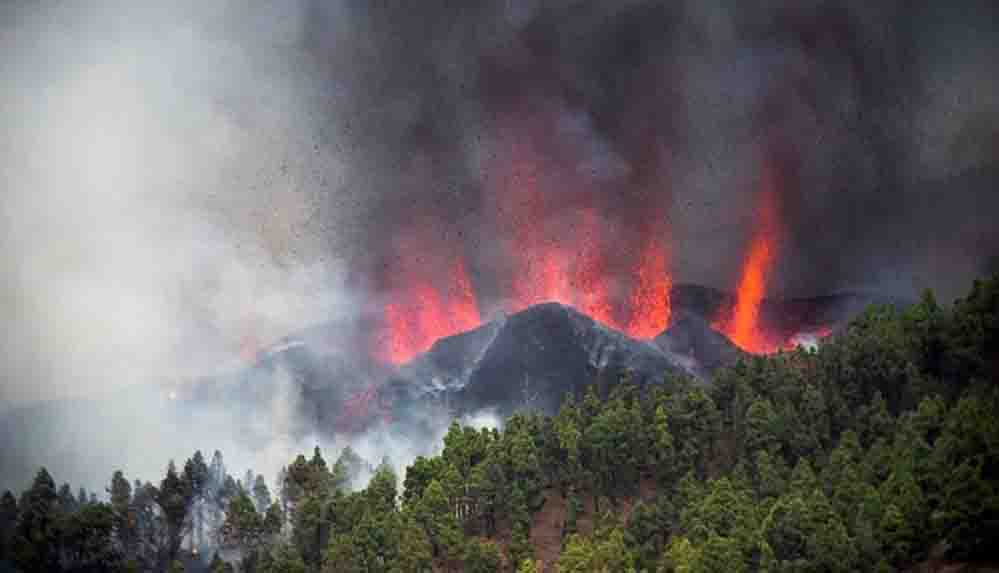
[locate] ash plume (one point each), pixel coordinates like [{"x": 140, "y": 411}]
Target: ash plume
[{"x": 882, "y": 117}]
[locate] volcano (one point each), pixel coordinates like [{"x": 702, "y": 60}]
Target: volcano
[{"x": 527, "y": 360}]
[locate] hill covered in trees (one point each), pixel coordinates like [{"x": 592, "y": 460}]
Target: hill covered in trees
[{"x": 878, "y": 451}]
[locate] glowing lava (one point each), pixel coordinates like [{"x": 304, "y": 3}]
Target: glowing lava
[
  {"x": 540, "y": 265},
  {"x": 429, "y": 305},
  {"x": 593, "y": 293},
  {"x": 650, "y": 304},
  {"x": 743, "y": 326},
  {"x": 464, "y": 306},
  {"x": 554, "y": 250}
]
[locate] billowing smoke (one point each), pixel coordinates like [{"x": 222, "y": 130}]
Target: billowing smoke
[
  {"x": 164, "y": 183},
  {"x": 185, "y": 183},
  {"x": 881, "y": 119}
]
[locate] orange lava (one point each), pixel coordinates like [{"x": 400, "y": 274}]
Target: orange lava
[
  {"x": 650, "y": 300},
  {"x": 464, "y": 306},
  {"x": 426, "y": 306},
  {"x": 554, "y": 252},
  {"x": 593, "y": 293},
  {"x": 743, "y": 325},
  {"x": 540, "y": 263}
]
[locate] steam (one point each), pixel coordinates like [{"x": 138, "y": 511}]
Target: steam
[{"x": 160, "y": 224}]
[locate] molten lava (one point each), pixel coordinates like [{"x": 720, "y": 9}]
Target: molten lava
[
  {"x": 743, "y": 325},
  {"x": 426, "y": 306},
  {"x": 593, "y": 293},
  {"x": 464, "y": 306},
  {"x": 650, "y": 300},
  {"x": 540, "y": 264},
  {"x": 563, "y": 253},
  {"x": 556, "y": 250}
]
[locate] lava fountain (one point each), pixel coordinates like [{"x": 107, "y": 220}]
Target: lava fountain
[
  {"x": 650, "y": 303},
  {"x": 425, "y": 304},
  {"x": 552, "y": 247},
  {"x": 742, "y": 323},
  {"x": 570, "y": 253}
]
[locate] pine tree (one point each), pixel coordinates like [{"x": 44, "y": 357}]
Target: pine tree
[
  {"x": 8, "y": 521},
  {"x": 381, "y": 491},
  {"x": 968, "y": 514},
  {"x": 578, "y": 555},
  {"x": 481, "y": 557},
  {"x": 174, "y": 498},
  {"x": 646, "y": 533},
  {"x": 415, "y": 550},
  {"x": 216, "y": 471},
  {"x": 347, "y": 469},
  {"x": 36, "y": 542},
  {"x": 762, "y": 428},
  {"x": 261, "y": 494},
  {"x": 418, "y": 477},
  {"x": 285, "y": 560},
  {"x": 434, "y": 514},
  {"x": 527, "y": 566},
  {"x": 803, "y": 480},
  {"x": 120, "y": 492},
  {"x": 243, "y": 527},
  {"x": 680, "y": 557},
  {"x": 574, "y": 506},
  {"x": 664, "y": 449},
  {"x": 86, "y": 540},
  {"x": 273, "y": 520},
  {"x": 68, "y": 503},
  {"x": 720, "y": 555},
  {"x": 520, "y": 543}
]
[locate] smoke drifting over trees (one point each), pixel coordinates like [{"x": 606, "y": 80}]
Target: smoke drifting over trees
[{"x": 186, "y": 182}]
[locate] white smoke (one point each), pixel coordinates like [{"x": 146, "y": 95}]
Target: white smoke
[{"x": 160, "y": 222}]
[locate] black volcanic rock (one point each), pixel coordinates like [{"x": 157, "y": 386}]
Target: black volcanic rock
[
  {"x": 694, "y": 345},
  {"x": 528, "y": 360}
]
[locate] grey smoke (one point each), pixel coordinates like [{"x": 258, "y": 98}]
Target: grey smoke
[{"x": 881, "y": 115}]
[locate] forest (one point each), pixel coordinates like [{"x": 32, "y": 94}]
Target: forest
[{"x": 877, "y": 451}]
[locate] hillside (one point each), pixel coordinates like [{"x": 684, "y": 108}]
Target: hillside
[{"x": 877, "y": 451}]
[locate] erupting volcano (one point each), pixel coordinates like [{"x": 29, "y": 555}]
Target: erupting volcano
[
  {"x": 425, "y": 307},
  {"x": 575, "y": 248},
  {"x": 548, "y": 249}
]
